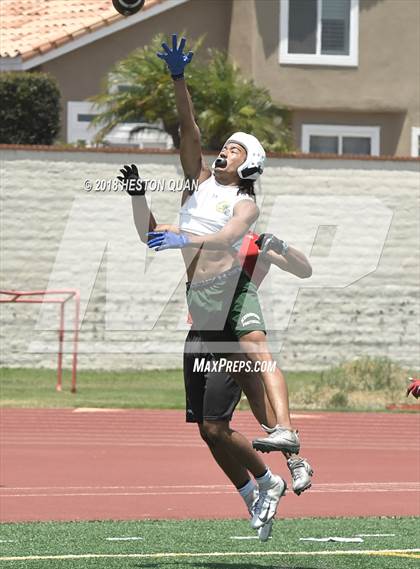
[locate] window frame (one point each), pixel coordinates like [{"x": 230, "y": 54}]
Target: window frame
[
  {"x": 351, "y": 60},
  {"x": 84, "y": 130},
  {"x": 415, "y": 133},
  {"x": 372, "y": 132}
]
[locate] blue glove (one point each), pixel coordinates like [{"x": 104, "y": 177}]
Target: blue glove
[
  {"x": 174, "y": 58},
  {"x": 161, "y": 240}
]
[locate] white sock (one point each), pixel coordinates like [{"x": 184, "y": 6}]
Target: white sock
[
  {"x": 266, "y": 481},
  {"x": 247, "y": 493}
]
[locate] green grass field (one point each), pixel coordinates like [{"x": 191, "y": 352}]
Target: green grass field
[
  {"x": 361, "y": 387},
  {"x": 127, "y": 389},
  {"x": 209, "y": 545}
]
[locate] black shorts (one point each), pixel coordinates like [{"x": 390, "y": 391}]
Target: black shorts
[{"x": 210, "y": 395}]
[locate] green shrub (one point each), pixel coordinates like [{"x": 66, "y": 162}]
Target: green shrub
[
  {"x": 338, "y": 401},
  {"x": 30, "y": 108},
  {"x": 366, "y": 374},
  {"x": 366, "y": 383}
]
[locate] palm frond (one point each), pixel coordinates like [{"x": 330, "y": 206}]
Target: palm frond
[{"x": 224, "y": 100}]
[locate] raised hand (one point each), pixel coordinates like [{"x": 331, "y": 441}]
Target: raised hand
[
  {"x": 131, "y": 181},
  {"x": 174, "y": 58}
]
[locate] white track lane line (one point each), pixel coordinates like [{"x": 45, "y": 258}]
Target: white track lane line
[
  {"x": 308, "y": 446},
  {"x": 169, "y": 486},
  {"x": 374, "y": 488},
  {"x": 320, "y": 487}
]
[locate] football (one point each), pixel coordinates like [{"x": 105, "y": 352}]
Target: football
[{"x": 128, "y": 7}]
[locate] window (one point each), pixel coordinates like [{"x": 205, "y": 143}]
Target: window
[
  {"x": 80, "y": 129},
  {"x": 79, "y": 116},
  {"x": 415, "y": 141},
  {"x": 341, "y": 139},
  {"x": 85, "y": 118},
  {"x": 319, "y": 32}
]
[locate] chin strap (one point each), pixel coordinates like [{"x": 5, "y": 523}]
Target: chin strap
[{"x": 246, "y": 172}]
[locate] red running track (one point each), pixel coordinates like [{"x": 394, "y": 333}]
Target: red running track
[{"x": 137, "y": 464}]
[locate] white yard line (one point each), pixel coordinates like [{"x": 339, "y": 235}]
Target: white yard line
[
  {"x": 404, "y": 552},
  {"x": 375, "y": 535},
  {"x": 123, "y": 538}
]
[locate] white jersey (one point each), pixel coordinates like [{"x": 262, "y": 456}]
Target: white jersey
[{"x": 209, "y": 208}]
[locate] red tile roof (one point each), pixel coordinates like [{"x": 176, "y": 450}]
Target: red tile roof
[{"x": 33, "y": 27}]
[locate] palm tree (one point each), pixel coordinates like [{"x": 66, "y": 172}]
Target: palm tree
[
  {"x": 139, "y": 89},
  {"x": 226, "y": 102}
]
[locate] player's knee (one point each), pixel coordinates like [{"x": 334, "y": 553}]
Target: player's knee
[
  {"x": 203, "y": 434},
  {"x": 255, "y": 346},
  {"x": 213, "y": 432}
]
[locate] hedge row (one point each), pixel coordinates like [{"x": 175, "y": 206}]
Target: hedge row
[{"x": 30, "y": 108}]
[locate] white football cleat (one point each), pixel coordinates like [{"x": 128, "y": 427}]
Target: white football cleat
[
  {"x": 301, "y": 472},
  {"x": 264, "y": 532},
  {"x": 278, "y": 439},
  {"x": 265, "y": 508}
]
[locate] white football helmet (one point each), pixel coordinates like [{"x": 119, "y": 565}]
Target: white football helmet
[{"x": 253, "y": 166}]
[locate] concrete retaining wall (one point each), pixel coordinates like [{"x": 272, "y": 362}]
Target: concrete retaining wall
[{"x": 357, "y": 220}]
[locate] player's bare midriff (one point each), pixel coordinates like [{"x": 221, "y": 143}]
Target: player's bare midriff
[{"x": 204, "y": 264}]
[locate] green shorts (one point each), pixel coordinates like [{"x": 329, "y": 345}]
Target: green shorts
[{"x": 225, "y": 308}]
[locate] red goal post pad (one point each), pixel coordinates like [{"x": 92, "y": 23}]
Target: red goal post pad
[{"x": 57, "y": 296}]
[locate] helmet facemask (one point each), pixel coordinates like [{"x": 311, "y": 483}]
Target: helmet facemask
[{"x": 253, "y": 165}]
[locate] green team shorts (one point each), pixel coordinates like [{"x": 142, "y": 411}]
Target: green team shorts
[{"x": 225, "y": 308}]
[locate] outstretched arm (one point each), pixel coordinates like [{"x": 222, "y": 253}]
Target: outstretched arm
[
  {"x": 144, "y": 219},
  {"x": 192, "y": 160},
  {"x": 193, "y": 163},
  {"x": 294, "y": 262},
  {"x": 284, "y": 256},
  {"x": 245, "y": 214}
]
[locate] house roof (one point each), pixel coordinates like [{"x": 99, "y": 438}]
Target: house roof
[{"x": 30, "y": 28}]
